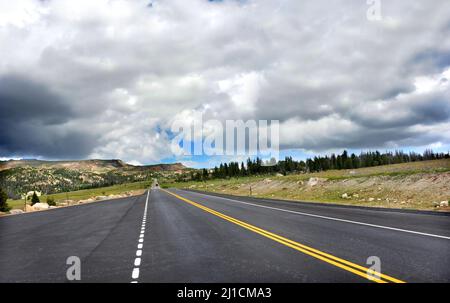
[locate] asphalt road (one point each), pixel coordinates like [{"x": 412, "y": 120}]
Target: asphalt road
[{"x": 183, "y": 236}]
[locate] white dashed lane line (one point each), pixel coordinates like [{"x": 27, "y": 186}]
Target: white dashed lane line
[{"x": 140, "y": 246}]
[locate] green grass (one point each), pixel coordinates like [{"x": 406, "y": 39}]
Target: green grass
[
  {"x": 370, "y": 182},
  {"x": 88, "y": 193}
]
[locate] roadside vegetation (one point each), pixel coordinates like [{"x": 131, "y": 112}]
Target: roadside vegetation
[
  {"x": 289, "y": 166},
  {"x": 412, "y": 185},
  {"x": 71, "y": 198},
  {"x": 4, "y": 207}
]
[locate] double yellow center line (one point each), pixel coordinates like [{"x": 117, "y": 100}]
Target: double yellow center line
[{"x": 359, "y": 270}]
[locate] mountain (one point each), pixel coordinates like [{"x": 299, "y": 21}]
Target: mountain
[
  {"x": 88, "y": 165},
  {"x": 19, "y": 176}
]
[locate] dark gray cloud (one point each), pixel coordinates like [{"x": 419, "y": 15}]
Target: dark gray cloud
[{"x": 33, "y": 122}]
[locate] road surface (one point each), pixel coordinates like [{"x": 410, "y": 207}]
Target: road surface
[{"x": 183, "y": 236}]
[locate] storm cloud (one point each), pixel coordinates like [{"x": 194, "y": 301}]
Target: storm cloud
[
  {"x": 34, "y": 122},
  {"x": 106, "y": 78}
]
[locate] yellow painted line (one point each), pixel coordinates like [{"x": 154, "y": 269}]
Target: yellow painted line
[{"x": 341, "y": 263}]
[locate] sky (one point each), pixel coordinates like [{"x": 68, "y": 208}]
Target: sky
[{"x": 107, "y": 78}]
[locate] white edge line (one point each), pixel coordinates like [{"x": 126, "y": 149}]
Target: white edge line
[{"x": 337, "y": 219}]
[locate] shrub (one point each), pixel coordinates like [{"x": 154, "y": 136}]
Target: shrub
[
  {"x": 4, "y": 207},
  {"x": 51, "y": 201}
]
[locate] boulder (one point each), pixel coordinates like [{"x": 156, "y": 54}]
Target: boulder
[
  {"x": 313, "y": 181},
  {"x": 371, "y": 199},
  {"x": 345, "y": 196},
  {"x": 16, "y": 211},
  {"x": 443, "y": 204},
  {"x": 40, "y": 206},
  {"x": 29, "y": 208}
]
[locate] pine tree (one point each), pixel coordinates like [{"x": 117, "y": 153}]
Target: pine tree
[
  {"x": 3, "y": 201},
  {"x": 34, "y": 199}
]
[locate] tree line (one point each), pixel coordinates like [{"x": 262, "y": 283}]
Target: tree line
[{"x": 345, "y": 160}]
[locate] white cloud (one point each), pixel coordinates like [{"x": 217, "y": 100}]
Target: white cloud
[{"x": 333, "y": 78}]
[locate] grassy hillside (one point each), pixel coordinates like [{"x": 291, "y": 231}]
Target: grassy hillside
[
  {"x": 74, "y": 196},
  {"x": 415, "y": 185},
  {"x": 50, "y": 177}
]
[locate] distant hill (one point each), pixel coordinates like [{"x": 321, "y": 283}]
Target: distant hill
[
  {"x": 89, "y": 165},
  {"x": 19, "y": 176}
]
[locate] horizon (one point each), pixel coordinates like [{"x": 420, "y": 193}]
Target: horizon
[{"x": 216, "y": 164}]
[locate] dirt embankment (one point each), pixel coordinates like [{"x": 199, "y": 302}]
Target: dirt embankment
[{"x": 412, "y": 191}]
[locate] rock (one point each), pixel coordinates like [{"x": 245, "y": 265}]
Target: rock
[
  {"x": 313, "y": 181},
  {"x": 371, "y": 199},
  {"x": 345, "y": 196},
  {"x": 443, "y": 204},
  {"x": 403, "y": 202},
  {"x": 356, "y": 196},
  {"x": 16, "y": 211},
  {"x": 40, "y": 206},
  {"x": 279, "y": 175},
  {"x": 29, "y": 208},
  {"x": 378, "y": 199},
  {"x": 101, "y": 198}
]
